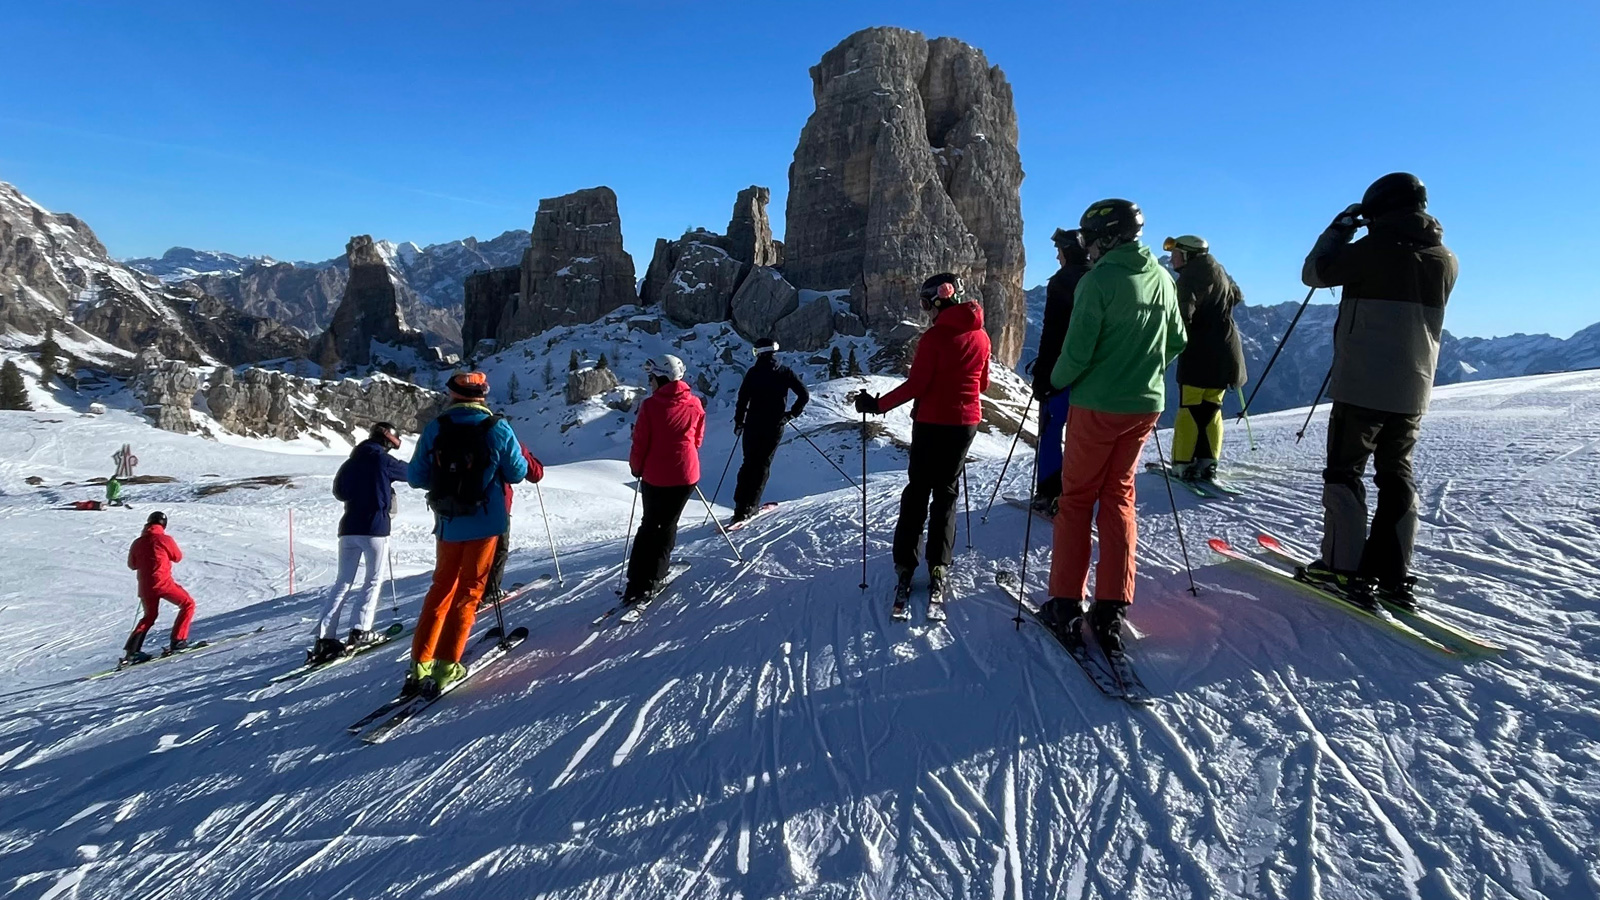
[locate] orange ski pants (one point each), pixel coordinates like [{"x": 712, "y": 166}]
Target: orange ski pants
[
  {"x": 1098, "y": 466},
  {"x": 459, "y": 576}
]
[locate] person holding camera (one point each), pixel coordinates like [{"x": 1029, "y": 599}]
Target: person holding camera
[{"x": 1396, "y": 283}]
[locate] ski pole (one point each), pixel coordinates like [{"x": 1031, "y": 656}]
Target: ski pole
[
  {"x": 394, "y": 599},
  {"x": 731, "y": 451},
  {"x": 1021, "y": 423},
  {"x": 1177, "y": 520},
  {"x": 1300, "y": 435},
  {"x": 627, "y": 539},
  {"x": 1281, "y": 342},
  {"x": 825, "y": 456},
  {"x": 863, "y": 501},
  {"x": 499, "y": 614},
  {"x": 1027, "y": 539},
  {"x": 966, "y": 498},
  {"x": 1245, "y": 414},
  {"x": 720, "y": 530},
  {"x": 551, "y": 535}
]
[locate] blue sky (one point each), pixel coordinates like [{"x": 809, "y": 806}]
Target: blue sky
[{"x": 283, "y": 128}]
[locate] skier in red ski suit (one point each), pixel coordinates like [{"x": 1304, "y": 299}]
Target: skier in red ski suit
[{"x": 152, "y": 556}]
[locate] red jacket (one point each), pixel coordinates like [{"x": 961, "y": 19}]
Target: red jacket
[
  {"x": 949, "y": 370},
  {"x": 152, "y": 556},
  {"x": 535, "y": 473},
  {"x": 667, "y": 437}
]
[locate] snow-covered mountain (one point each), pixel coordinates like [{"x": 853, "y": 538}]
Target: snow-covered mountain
[
  {"x": 767, "y": 731},
  {"x": 1301, "y": 368},
  {"x": 55, "y": 274},
  {"x": 184, "y": 263},
  {"x": 305, "y": 295}
]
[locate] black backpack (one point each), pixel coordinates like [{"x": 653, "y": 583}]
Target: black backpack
[{"x": 461, "y": 455}]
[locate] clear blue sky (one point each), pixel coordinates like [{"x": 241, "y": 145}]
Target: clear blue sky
[{"x": 283, "y": 128}]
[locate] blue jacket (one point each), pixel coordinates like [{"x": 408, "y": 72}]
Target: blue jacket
[
  {"x": 509, "y": 468},
  {"x": 365, "y": 484}
]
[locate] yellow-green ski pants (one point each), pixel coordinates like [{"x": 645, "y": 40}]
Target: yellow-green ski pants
[{"x": 1198, "y": 429}]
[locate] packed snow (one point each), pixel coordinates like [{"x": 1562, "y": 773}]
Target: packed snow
[{"x": 767, "y": 731}]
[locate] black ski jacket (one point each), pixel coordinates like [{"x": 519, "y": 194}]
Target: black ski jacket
[
  {"x": 1207, "y": 294},
  {"x": 1058, "y": 294},
  {"x": 764, "y": 395},
  {"x": 1396, "y": 281}
]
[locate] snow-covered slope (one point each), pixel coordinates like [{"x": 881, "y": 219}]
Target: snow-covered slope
[
  {"x": 768, "y": 732},
  {"x": 184, "y": 263}
]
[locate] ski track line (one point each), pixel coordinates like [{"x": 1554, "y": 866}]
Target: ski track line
[
  {"x": 588, "y": 745},
  {"x": 639, "y": 722}
]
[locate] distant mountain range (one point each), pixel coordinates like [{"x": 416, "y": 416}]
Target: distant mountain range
[
  {"x": 304, "y": 295},
  {"x": 1299, "y": 371}
]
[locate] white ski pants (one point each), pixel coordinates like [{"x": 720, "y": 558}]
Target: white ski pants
[{"x": 354, "y": 550}]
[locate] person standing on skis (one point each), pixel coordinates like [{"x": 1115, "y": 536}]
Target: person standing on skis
[
  {"x": 113, "y": 491},
  {"x": 759, "y": 416},
  {"x": 1125, "y": 331},
  {"x": 1213, "y": 361},
  {"x": 463, "y": 459},
  {"x": 1053, "y": 333},
  {"x": 495, "y": 591},
  {"x": 151, "y": 557},
  {"x": 1396, "y": 283},
  {"x": 665, "y": 457},
  {"x": 949, "y": 371},
  {"x": 365, "y": 484}
]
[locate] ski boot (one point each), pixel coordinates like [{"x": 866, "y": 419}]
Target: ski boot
[
  {"x": 902, "y": 593},
  {"x": 135, "y": 658},
  {"x": 1106, "y": 618},
  {"x": 446, "y": 674},
  {"x": 175, "y": 647},
  {"x": 491, "y": 597},
  {"x": 740, "y": 515},
  {"x": 359, "y": 639},
  {"x": 1353, "y": 588},
  {"x": 325, "y": 650},
  {"x": 1064, "y": 617},
  {"x": 1399, "y": 592},
  {"x": 1045, "y": 505},
  {"x": 420, "y": 674},
  {"x": 936, "y": 576},
  {"x": 1203, "y": 471}
]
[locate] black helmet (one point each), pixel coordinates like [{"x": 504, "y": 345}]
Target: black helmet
[
  {"x": 157, "y": 518},
  {"x": 1070, "y": 243},
  {"x": 935, "y": 296},
  {"x": 385, "y": 434},
  {"x": 1394, "y": 192},
  {"x": 1112, "y": 220}
]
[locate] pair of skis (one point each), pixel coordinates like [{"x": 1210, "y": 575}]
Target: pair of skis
[
  {"x": 1211, "y": 489},
  {"x": 740, "y": 523},
  {"x": 1113, "y": 673},
  {"x": 901, "y": 610},
  {"x": 483, "y": 654},
  {"x": 1415, "y": 626},
  {"x": 124, "y": 664},
  {"x": 394, "y": 631},
  {"x": 629, "y": 613}
]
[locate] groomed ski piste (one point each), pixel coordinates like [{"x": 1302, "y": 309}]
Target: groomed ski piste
[{"x": 766, "y": 731}]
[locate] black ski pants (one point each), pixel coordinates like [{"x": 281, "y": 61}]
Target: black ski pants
[
  {"x": 760, "y": 445},
  {"x": 1355, "y": 434},
  {"x": 658, "y": 534},
  {"x": 937, "y": 454},
  {"x": 497, "y": 569}
]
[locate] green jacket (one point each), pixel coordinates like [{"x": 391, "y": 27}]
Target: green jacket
[
  {"x": 113, "y": 489},
  {"x": 1125, "y": 331}
]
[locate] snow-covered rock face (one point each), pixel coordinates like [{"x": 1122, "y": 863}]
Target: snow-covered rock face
[
  {"x": 369, "y": 313},
  {"x": 184, "y": 263},
  {"x": 54, "y": 271}
]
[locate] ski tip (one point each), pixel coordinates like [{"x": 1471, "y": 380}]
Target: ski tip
[
  {"x": 1268, "y": 541},
  {"x": 1219, "y": 545}
]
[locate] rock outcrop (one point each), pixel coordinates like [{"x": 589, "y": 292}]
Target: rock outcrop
[
  {"x": 809, "y": 327},
  {"x": 489, "y": 295},
  {"x": 750, "y": 231},
  {"x": 268, "y": 403},
  {"x": 763, "y": 299},
  {"x": 368, "y": 315},
  {"x": 586, "y": 383},
  {"x": 909, "y": 167},
  {"x": 575, "y": 270},
  {"x": 703, "y": 281},
  {"x": 165, "y": 389}
]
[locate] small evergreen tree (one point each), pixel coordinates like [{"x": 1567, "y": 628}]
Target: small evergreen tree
[
  {"x": 835, "y": 363},
  {"x": 573, "y": 361},
  {"x": 49, "y": 352},
  {"x": 855, "y": 367},
  {"x": 603, "y": 363},
  {"x": 549, "y": 373},
  {"x": 513, "y": 387},
  {"x": 13, "y": 391}
]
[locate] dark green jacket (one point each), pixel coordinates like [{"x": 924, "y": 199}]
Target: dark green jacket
[
  {"x": 1125, "y": 331},
  {"x": 1214, "y": 358}
]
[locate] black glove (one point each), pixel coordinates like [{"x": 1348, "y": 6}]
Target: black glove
[
  {"x": 866, "y": 403},
  {"x": 738, "y": 428},
  {"x": 1349, "y": 220},
  {"x": 793, "y": 414}
]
